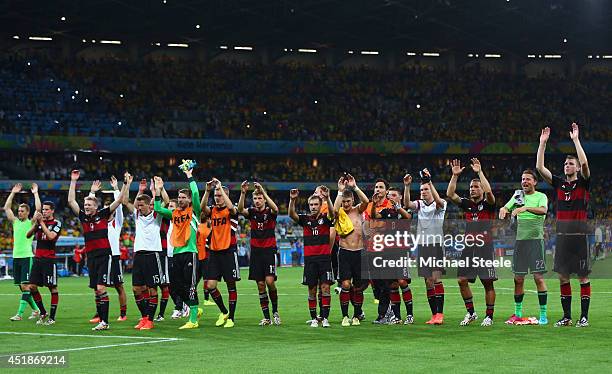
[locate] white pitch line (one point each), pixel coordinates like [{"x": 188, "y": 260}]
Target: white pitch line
[
  {"x": 85, "y": 335},
  {"x": 149, "y": 340},
  {"x": 94, "y": 347}
]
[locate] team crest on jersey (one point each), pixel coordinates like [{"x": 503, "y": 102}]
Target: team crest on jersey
[
  {"x": 320, "y": 221},
  {"x": 480, "y": 207}
]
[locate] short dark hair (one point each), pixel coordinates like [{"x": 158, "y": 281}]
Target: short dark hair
[
  {"x": 185, "y": 191},
  {"x": 573, "y": 157},
  {"x": 393, "y": 189},
  {"x": 475, "y": 180},
  {"x": 532, "y": 173},
  {"x": 348, "y": 194},
  {"x": 50, "y": 204},
  {"x": 384, "y": 182},
  {"x": 144, "y": 197}
]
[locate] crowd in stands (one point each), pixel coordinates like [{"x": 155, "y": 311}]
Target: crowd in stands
[{"x": 226, "y": 100}]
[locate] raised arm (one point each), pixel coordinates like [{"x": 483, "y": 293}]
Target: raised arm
[
  {"x": 330, "y": 212},
  {"x": 9, "y": 202},
  {"x": 164, "y": 195},
  {"x": 244, "y": 188},
  {"x": 74, "y": 206},
  {"x": 269, "y": 201},
  {"x": 484, "y": 182},
  {"x": 293, "y": 195},
  {"x": 116, "y": 193},
  {"x": 439, "y": 201},
  {"x": 456, "y": 170},
  {"x": 228, "y": 202},
  {"x": 363, "y": 199},
  {"x": 338, "y": 201},
  {"x": 142, "y": 186},
  {"x": 195, "y": 193},
  {"x": 157, "y": 205},
  {"x": 95, "y": 187},
  {"x": 582, "y": 158},
  {"x": 127, "y": 181},
  {"x": 210, "y": 185},
  {"x": 544, "y": 172},
  {"x": 37, "y": 203},
  {"x": 407, "y": 182}
]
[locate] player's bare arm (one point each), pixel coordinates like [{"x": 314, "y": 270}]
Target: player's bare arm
[
  {"x": 484, "y": 182},
  {"x": 37, "y": 203},
  {"x": 72, "y": 203},
  {"x": 456, "y": 170},
  {"x": 407, "y": 182},
  {"x": 341, "y": 188},
  {"x": 363, "y": 199},
  {"x": 9, "y": 202},
  {"x": 439, "y": 201},
  {"x": 244, "y": 188},
  {"x": 127, "y": 181},
  {"x": 582, "y": 158},
  {"x": 142, "y": 186},
  {"x": 293, "y": 195},
  {"x": 540, "y": 167},
  {"x": 271, "y": 204}
]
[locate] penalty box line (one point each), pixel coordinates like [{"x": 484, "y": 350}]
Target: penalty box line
[{"x": 144, "y": 340}]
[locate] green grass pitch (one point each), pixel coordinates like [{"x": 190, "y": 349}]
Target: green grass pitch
[{"x": 296, "y": 347}]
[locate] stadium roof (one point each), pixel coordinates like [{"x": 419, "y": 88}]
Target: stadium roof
[{"x": 508, "y": 26}]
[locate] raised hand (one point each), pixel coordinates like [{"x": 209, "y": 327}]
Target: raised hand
[
  {"x": 74, "y": 175},
  {"x": 350, "y": 181},
  {"x": 159, "y": 183},
  {"x": 210, "y": 185},
  {"x": 293, "y": 194},
  {"x": 95, "y": 186},
  {"x": 476, "y": 165},
  {"x": 37, "y": 216},
  {"x": 188, "y": 172},
  {"x": 574, "y": 133},
  {"x": 142, "y": 186},
  {"x": 244, "y": 187},
  {"x": 341, "y": 184},
  {"x": 113, "y": 182},
  {"x": 324, "y": 190},
  {"x": 455, "y": 168},
  {"x": 129, "y": 178},
  {"x": 324, "y": 193},
  {"x": 258, "y": 187},
  {"x": 407, "y": 179},
  {"x": 152, "y": 185},
  {"x": 545, "y": 134},
  {"x": 34, "y": 188},
  {"x": 216, "y": 183}
]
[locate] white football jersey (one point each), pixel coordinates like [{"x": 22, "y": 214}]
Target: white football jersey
[{"x": 147, "y": 232}]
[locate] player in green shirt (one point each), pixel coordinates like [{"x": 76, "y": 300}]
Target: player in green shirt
[
  {"x": 529, "y": 207},
  {"x": 185, "y": 219},
  {"x": 22, "y": 248}
]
